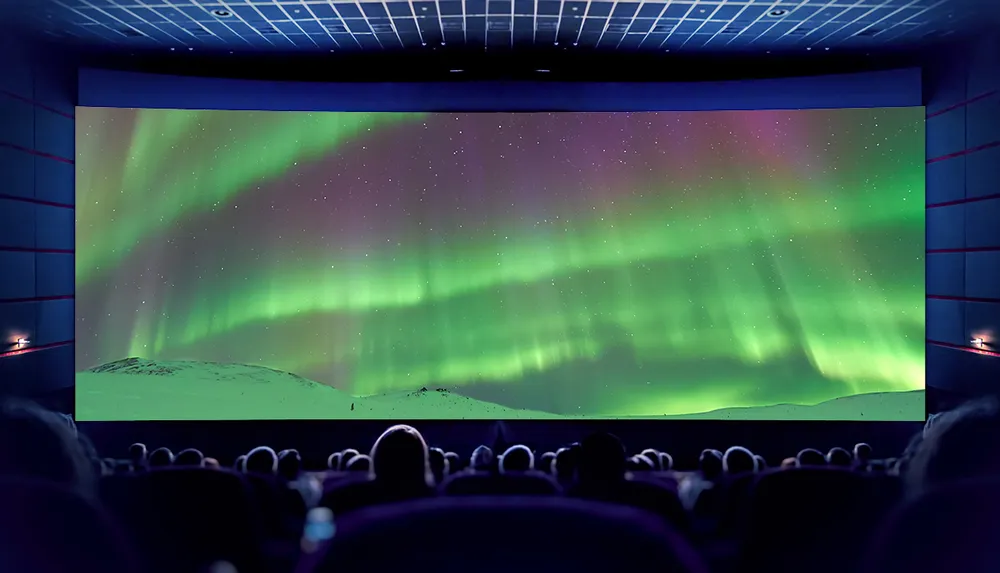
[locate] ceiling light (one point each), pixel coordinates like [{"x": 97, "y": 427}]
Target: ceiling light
[
  {"x": 777, "y": 13},
  {"x": 542, "y": 71},
  {"x": 456, "y": 71},
  {"x": 222, "y": 13}
]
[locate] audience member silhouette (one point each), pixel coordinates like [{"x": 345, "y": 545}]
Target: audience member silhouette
[
  {"x": 862, "y": 454},
  {"x": 738, "y": 460},
  {"x": 289, "y": 465},
  {"x": 653, "y": 456},
  {"x": 517, "y": 458},
  {"x": 955, "y": 450},
  {"x": 961, "y": 444},
  {"x": 38, "y": 444},
  {"x": 240, "y": 463},
  {"x": 399, "y": 471},
  {"x": 639, "y": 463},
  {"x": 839, "y": 457},
  {"x": 345, "y": 457},
  {"x": 438, "y": 464},
  {"x": 333, "y": 461},
  {"x": 189, "y": 458},
  {"x": 400, "y": 457},
  {"x": 710, "y": 464},
  {"x": 666, "y": 461},
  {"x": 565, "y": 465},
  {"x": 137, "y": 455},
  {"x": 545, "y": 462},
  {"x": 601, "y": 460},
  {"x": 160, "y": 458},
  {"x": 810, "y": 457},
  {"x": 454, "y": 462},
  {"x": 481, "y": 459},
  {"x": 359, "y": 463},
  {"x": 601, "y": 476},
  {"x": 262, "y": 460}
]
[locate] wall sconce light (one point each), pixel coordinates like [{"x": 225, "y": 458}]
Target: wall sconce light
[
  {"x": 22, "y": 342},
  {"x": 978, "y": 342}
]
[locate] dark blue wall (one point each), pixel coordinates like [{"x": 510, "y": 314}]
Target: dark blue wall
[
  {"x": 963, "y": 221},
  {"x": 37, "y": 97}
]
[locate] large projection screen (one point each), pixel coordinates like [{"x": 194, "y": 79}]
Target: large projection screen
[{"x": 614, "y": 265}]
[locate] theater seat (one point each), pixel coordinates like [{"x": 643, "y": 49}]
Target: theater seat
[
  {"x": 503, "y": 534},
  {"x": 45, "y": 528},
  {"x": 356, "y": 493},
  {"x": 811, "y": 519},
  {"x": 478, "y": 484},
  {"x": 951, "y": 529},
  {"x": 282, "y": 508},
  {"x": 185, "y": 519},
  {"x": 643, "y": 494}
]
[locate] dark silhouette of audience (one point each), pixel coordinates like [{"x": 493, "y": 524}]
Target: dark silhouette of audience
[
  {"x": 65, "y": 508},
  {"x": 517, "y": 459},
  {"x": 36, "y": 444},
  {"x": 438, "y": 463},
  {"x": 137, "y": 456},
  {"x": 862, "y": 453},
  {"x": 333, "y": 461},
  {"x": 359, "y": 463},
  {"x": 189, "y": 458},
  {"x": 481, "y": 459},
  {"x": 160, "y": 458},
  {"x": 666, "y": 461},
  {"x": 566, "y": 462},
  {"x": 261, "y": 460},
  {"x": 738, "y": 460},
  {"x": 839, "y": 457},
  {"x": 710, "y": 464},
  {"x": 810, "y": 457},
  {"x": 958, "y": 445},
  {"x": 345, "y": 457},
  {"x": 289, "y": 464}
]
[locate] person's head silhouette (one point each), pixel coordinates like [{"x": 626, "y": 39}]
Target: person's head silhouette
[
  {"x": 400, "y": 456},
  {"x": 517, "y": 458}
]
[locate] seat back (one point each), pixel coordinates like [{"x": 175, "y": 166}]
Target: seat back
[
  {"x": 484, "y": 484},
  {"x": 956, "y": 528},
  {"x": 184, "y": 519},
  {"x": 815, "y": 519},
  {"x": 644, "y": 494},
  {"x": 45, "y": 528},
  {"x": 503, "y": 534}
]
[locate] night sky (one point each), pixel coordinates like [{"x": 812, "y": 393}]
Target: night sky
[{"x": 606, "y": 264}]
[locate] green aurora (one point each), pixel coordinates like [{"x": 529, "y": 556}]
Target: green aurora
[{"x": 601, "y": 265}]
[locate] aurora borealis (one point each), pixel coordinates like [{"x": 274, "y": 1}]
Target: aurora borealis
[{"x": 584, "y": 264}]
